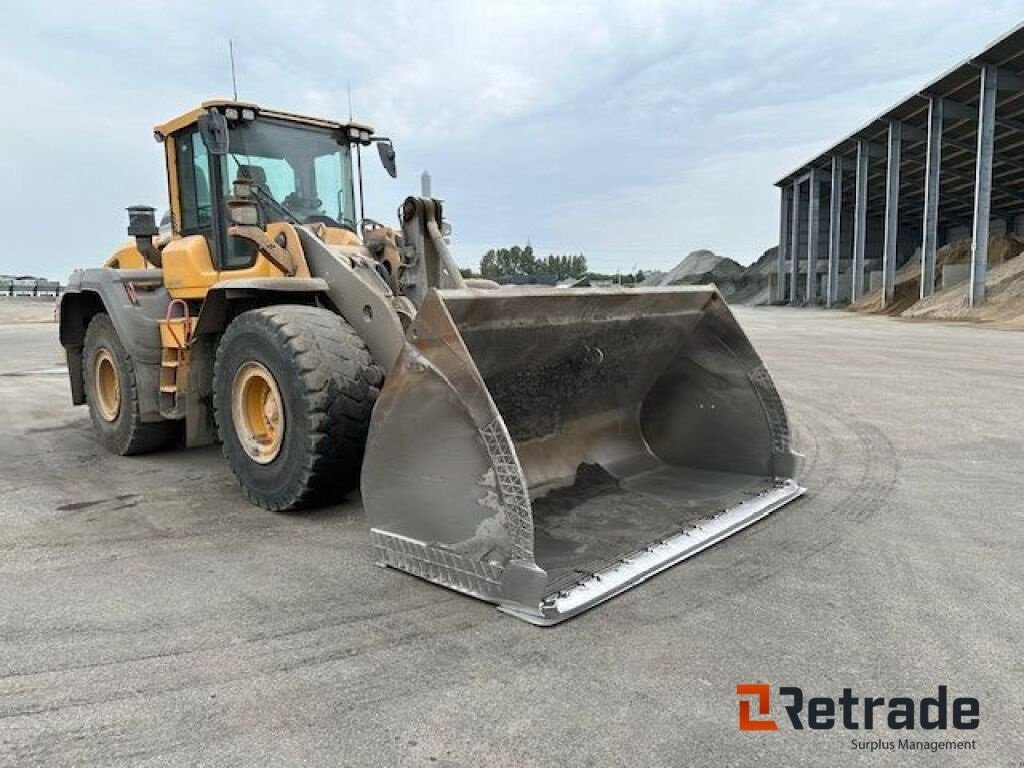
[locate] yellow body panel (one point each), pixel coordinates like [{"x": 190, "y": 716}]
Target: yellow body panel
[
  {"x": 127, "y": 257},
  {"x": 181, "y": 121},
  {"x": 174, "y": 333},
  {"x": 293, "y": 245},
  {"x": 188, "y": 267},
  {"x": 189, "y": 271}
]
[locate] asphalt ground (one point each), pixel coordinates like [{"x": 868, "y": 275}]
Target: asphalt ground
[{"x": 150, "y": 616}]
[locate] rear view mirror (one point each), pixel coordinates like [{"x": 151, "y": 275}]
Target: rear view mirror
[
  {"x": 387, "y": 157},
  {"x": 213, "y": 127}
]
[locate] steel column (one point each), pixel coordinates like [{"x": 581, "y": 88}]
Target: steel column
[
  {"x": 983, "y": 182},
  {"x": 860, "y": 221},
  {"x": 813, "y": 232},
  {"x": 892, "y": 212},
  {"x": 794, "y": 250},
  {"x": 933, "y": 169},
  {"x": 784, "y": 203},
  {"x": 834, "y": 224}
]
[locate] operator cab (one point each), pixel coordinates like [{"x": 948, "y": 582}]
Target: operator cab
[{"x": 291, "y": 169}]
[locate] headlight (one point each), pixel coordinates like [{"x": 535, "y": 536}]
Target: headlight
[
  {"x": 248, "y": 114},
  {"x": 231, "y": 113},
  {"x": 364, "y": 137},
  {"x": 353, "y": 133}
]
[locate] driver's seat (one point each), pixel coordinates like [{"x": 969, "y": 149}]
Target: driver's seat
[{"x": 255, "y": 174}]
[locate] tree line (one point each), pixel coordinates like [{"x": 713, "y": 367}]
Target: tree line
[
  {"x": 521, "y": 260},
  {"x": 504, "y": 262}
]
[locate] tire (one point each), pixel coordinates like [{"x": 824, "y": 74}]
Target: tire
[
  {"x": 305, "y": 447},
  {"x": 117, "y": 422}
]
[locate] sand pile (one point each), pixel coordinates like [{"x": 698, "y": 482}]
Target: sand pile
[
  {"x": 907, "y": 291},
  {"x": 1001, "y": 248},
  {"x": 1004, "y": 298}
]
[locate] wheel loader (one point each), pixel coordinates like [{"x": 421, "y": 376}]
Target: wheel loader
[{"x": 542, "y": 449}]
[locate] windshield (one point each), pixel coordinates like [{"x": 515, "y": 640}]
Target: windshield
[{"x": 305, "y": 171}]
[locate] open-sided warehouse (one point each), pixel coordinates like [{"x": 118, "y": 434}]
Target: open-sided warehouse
[{"x": 945, "y": 163}]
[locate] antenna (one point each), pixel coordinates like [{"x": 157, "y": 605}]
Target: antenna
[
  {"x": 359, "y": 160},
  {"x": 234, "y": 81}
]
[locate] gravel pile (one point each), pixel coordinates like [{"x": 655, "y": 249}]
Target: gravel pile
[{"x": 738, "y": 284}]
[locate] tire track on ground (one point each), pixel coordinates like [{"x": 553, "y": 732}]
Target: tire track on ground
[{"x": 852, "y": 469}]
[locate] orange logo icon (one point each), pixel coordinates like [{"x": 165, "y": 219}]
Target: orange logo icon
[{"x": 761, "y": 691}]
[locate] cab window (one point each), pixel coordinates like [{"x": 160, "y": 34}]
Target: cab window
[
  {"x": 193, "y": 182},
  {"x": 274, "y": 174},
  {"x": 302, "y": 174}
]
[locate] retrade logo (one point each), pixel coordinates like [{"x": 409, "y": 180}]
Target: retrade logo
[
  {"x": 762, "y": 693},
  {"x": 852, "y": 713}
]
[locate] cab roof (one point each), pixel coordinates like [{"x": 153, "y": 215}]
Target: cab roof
[{"x": 186, "y": 119}]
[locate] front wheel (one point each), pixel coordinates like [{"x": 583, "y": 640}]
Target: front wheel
[{"x": 294, "y": 387}]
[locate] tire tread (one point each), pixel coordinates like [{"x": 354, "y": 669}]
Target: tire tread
[{"x": 340, "y": 386}]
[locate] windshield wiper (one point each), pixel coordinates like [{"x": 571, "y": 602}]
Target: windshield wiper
[{"x": 260, "y": 192}]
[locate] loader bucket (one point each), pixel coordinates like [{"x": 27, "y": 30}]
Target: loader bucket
[{"x": 547, "y": 449}]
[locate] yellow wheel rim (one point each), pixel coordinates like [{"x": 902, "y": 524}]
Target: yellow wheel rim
[
  {"x": 108, "y": 385},
  {"x": 258, "y": 412}
]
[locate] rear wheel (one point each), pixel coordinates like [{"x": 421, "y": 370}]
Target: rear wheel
[
  {"x": 112, "y": 392},
  {"x": 294, "y": 388}
]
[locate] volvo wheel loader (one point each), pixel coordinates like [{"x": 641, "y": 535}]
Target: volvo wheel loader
[{"x": 541, "y": 449}]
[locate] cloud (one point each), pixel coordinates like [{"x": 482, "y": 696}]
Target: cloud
[{"x": 634, "y": 132}]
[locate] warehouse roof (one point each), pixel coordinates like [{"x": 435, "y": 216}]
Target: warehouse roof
[{"x": 960, "y": 85}]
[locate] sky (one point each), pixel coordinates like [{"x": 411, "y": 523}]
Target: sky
[{"x": 632, "y": 132}]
